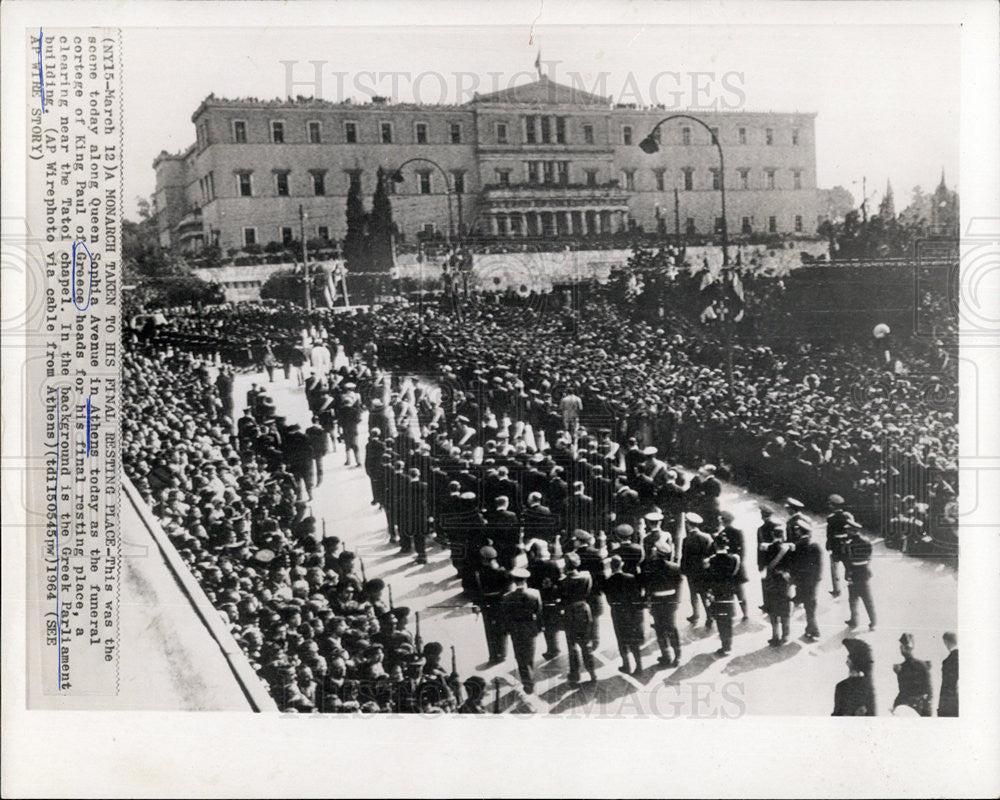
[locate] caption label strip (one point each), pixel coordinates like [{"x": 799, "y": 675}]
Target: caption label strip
[{"x": 74, "y": 185}]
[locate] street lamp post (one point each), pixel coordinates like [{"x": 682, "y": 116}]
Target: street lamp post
[
  {"x": 397, "y": 177},
  {"x": 651, "y": 144}
]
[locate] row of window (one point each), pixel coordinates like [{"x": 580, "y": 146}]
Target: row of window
[
  {"x": 537, "y": 129},
  {"x": 286, "y": 235},
  {"x": 535, "y": 172},
  {"x": 426, "y": 182}
]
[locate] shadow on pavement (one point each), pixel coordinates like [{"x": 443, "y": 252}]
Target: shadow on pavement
[
  {"x": 684, "y": 672},
  {"x": 765, "y": 657}
]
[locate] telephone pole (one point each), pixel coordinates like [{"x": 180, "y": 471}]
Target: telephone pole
[
  {"x": 677, "y": 216},
  {"x": 305, "y": 256}
]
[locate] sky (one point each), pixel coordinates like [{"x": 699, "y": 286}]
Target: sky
[{"x": 886, "y": 96}]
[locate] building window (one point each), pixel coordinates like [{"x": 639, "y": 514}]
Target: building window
[
  {"x": 202, "y": 135},
  {"x": 244, "y": 184},
  {"x": 770, "y": 178},
  {"x": 351, "y": 132},
  {"x": 549, "y": 171},
  {"x": 501, "y": 133},
  {"x": 425, "y": 182},
  {"x": 503, "y": 177},
  {"x": 685, "y": 136},
  {"x": 421, "y": 129},
  {"x": 210, "y": 184},
  {"x": 239, "y": 131},
  {"x": 626, "y": 134},
  {"x": 743, "y": 135},
  {"x": 533, "y": 176},
  {"x": 798, "y": 223},
  {"x": 249, "y": 236},
  {"x": 772, "y": 224},
  {"x": 744, "y": 179},
  {"x": 458, "y": 181},
  {"x": 354, "y": 179},
  {"x": 747, "y": 226},
  {"x": 588, "y": 134},
  {"x": 797, "y": 178},
  {"x": 562, "y": 172},
  {"x": 660, "y": 183},
  {"x": 277, "y": 131},
  {"x": 688, "y": 178},
  {"x": 281, "y": 183},
  {"x": 529, "y": 129},
  {"x": 287, "y": 237},
  {"x": 560, "y": 130},
  {"x": 386, "y": 128},
  {"x": 456, "y": 133},
  {"x": 629, "y": 176},
  {"x": 769, "y": 136},
  {"x": 715, "y": 135},
  {"x": 591, "y": 177},
  {"x": 689, "y": 227},
  {"x": 795, "y": 135},
  {"x": 319, "y": 183},
  {"x": 546, "y": 130},
  {"x": 314, "y": 133},
  {"x": 716, "y": 178},
  {"x": 323, "y": 232}
]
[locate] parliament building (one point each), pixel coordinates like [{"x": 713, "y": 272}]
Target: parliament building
[{"x": 537, "y": 160}]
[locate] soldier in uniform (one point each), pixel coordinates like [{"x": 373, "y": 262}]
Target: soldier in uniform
[
  {"x": 722, "y": 576},
  {"x": 768, "y": 532},
  {"x": 948, "y": 700},
  {"x": 545, "y": 576},
  {"x": 661, "y": 578},
  {"x": 491, "y": 583},
  {"x": 806, "y": 570},
  {"x": 836, "y": 538},
  {"x": 521, "y": 609},
  {"x": 738, "y": 547},
  {"x": 775, "y": 564},
  {"x": 914, "y": 678},
  {"x": 855, "y": 695},
  {"x": 795, "y": 510},
  {"x": 857, "y": 561},
  {"x": 695, "y": 551},
  {"x": 653, "y": 519},
  {"x": 624, "y": 594},
  {"x": 475, "y": 694},
  {"x": 574, "y": 590}
]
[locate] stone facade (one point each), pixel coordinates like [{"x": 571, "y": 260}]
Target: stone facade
[{"x": 540, "y": 159}]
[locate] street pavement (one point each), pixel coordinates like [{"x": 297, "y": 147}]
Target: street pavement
[{"x": 911, "y": 595}]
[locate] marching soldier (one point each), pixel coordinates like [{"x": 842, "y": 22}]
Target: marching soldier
[
  {"x": 914, "y": 678},
  {"x": 836, "y": 538},
  {"x": 475, "y": 694},
  {"x": 521, "y": 609},
  {"x": 738, "y": 547},
  {"x": 768, "y": 532},
  {"x": 857, "y": 561},
  {"x": 545, "y": 576},
  {"x": 574, "y": 591},
  {"x": 491, "y": 585},
  {"x": 661, "y": 577},
  {"x": 722, "y": 576},
  {"x": 695, "y": 551},
  {"x": 806, "y": 570},
  {"x": 624, "y": 594}
]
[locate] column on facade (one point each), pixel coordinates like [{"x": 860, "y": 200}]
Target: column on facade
[{"x": 494, "y": 225}]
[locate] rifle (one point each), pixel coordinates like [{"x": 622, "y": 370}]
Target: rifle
[
  {"x": 418, "y": 641},
  {"x": 391, "y": 604},
  {"x": 496, "y": 695}
]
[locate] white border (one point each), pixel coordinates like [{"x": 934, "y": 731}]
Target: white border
[{"x": 75, "y": 754}]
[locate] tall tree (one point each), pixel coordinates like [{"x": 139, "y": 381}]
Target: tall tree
[
  {"x": 380, "y": 226},
  {"x": 356, "y": 240}
]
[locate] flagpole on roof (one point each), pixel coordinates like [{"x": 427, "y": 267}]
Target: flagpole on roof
[{"x": 538, "y": 63}]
